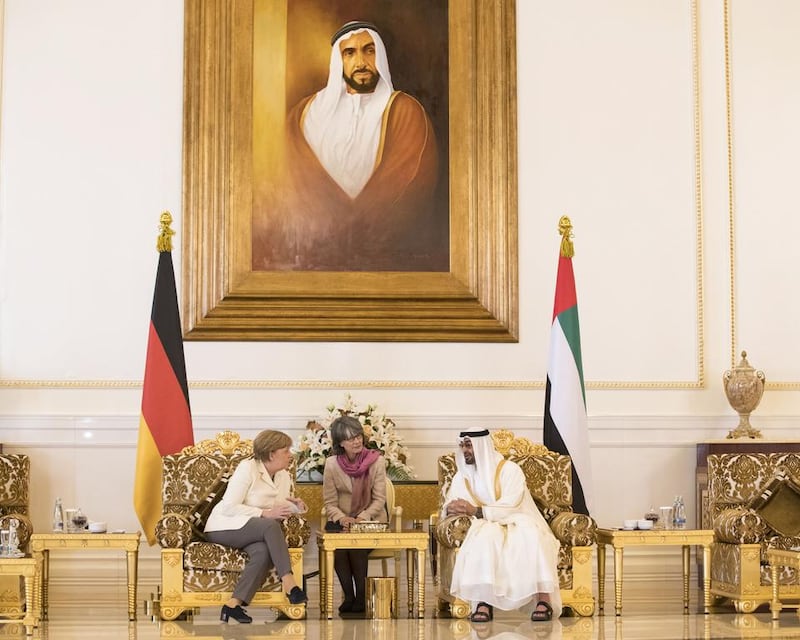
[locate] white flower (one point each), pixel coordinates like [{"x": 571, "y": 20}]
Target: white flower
[{"x": 315, "y": 445}]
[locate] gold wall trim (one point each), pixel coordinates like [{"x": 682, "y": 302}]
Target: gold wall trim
[
  {"x": 698, "y": 197},
  {"x": 731, "y": 200},
  {"x": 514, "y": 385},
  {"x": 776, "y": 385}
]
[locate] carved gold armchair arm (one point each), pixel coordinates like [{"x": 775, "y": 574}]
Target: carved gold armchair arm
[
  {"x": 574, "y": 529},
  {"x": 173, "y": 531},
  {"x": 451, "y": 531},
  {"x": 740, "y": 525}
]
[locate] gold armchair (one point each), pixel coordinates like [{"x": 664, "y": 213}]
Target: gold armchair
[
  {"x": 196, "y": 573},
  {"x": 742, "y": 529},
  {"x": 549, "y": 478},
  {"x": 15, "y": 471}
]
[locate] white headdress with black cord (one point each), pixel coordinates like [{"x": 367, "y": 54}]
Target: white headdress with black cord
[
  {"x": 344, "y": 130},
  {"x": 480, "y": 475}
]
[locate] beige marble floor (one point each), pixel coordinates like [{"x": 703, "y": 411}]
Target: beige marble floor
[{"x": 642, "y": 618}]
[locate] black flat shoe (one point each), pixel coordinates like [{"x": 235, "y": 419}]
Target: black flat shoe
[
  {"x": 346, "y": 606},
  {"x": 237, "y": 613},
  {"x": 483, "y": 613},
  {"x": 544, "y": 614},
  {"x": 297, "y": 596}
]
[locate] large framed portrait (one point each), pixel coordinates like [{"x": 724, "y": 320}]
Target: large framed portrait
[{"x": 350, "y": 170}]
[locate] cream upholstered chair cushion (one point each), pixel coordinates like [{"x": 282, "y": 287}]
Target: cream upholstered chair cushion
[
  {"x": 194, "y": 572},
  {"x": 549, "y": 478}
]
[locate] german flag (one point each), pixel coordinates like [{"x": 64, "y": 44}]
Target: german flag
[{"x": 165, "y": 424}]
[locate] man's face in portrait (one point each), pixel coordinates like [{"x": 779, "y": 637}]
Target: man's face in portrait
[
  {"x": 466, "y": 449},
  {"x": 358, "y": 63}
]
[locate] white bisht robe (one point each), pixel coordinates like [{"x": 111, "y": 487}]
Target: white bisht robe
[{"x": 510, "y": 554}]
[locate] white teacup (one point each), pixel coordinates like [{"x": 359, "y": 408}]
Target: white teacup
[{"x": 98, "y": 527}]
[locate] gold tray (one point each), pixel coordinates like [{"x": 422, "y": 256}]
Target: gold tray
[{"x": 369, "y": 527}]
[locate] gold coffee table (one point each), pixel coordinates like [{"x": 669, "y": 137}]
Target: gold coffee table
[
  {"x": 29, "y": 569},
  {"x": 619, "y": 539},
  {"x": 42, "y": 543},
  {"x": 781, "y": 558},
  {"x": 415, "y": 543}
]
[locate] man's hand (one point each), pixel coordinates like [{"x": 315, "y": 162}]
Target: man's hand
[{"x": 461, "y": 508}]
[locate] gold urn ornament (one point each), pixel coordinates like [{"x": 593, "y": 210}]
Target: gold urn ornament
[{"x": 744, "y": 387}]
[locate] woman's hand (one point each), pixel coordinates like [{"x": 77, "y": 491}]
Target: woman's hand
[
  {"x": 298, "y": 502},
  {"x": 279, "y": 511},
  {"x": 347, "y": 521}
]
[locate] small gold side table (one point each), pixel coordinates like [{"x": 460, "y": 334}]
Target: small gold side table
[
  {"x": 30, "y": 570},
  {"x": 415, "y": 543},
  {"x": 619, "y": 539},
  {"x": 781, "y": 558},
  {"x": 43, "y": 543}
]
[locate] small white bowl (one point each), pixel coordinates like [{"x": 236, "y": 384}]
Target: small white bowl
[
  {"x": 644, "y": 525},
  {"x": 629, "y": 524},
  {"x": 98, "y": 527}
]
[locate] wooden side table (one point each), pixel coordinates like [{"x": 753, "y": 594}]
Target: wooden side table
[
  {"x": 43, "y": 543},
  {"x": 30, "y": 570},
  {"x": 782, "y": 558},
  {"x": 619, "y": 539},
  {"x": 415, "y": 543}
]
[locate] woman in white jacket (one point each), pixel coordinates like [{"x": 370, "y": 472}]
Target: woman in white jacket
[{"x": 248, "y": 518}]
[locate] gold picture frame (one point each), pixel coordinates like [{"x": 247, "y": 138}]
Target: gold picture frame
[{"x": 224, "y": 299}]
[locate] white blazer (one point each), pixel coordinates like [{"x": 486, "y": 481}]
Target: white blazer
[{"x": 250, "y": 490}]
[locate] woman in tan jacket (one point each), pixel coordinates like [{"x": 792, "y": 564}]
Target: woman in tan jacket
[{"x": 353, "y": 490}]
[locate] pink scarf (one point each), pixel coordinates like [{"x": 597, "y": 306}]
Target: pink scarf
[{"x": 358, "y": 470}]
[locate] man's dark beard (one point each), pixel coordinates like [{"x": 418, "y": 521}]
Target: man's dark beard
[{"x": 367, "y": 87}]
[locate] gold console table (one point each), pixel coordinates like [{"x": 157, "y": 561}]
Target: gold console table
[
  {"x": 43, "y": 543},
  {"x": 619, "y": 539},
  {"x": 415, "y": 543},
  {"x": 29, "y": 569}
]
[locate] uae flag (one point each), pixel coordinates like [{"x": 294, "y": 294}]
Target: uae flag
[
  {"x": 165, "y": 424},
  {"x": 565, "y": 425}
]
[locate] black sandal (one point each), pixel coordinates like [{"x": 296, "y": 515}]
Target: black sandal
[
  {"x": 542, "y": 615},
  {"x": 483, "y": 613}
]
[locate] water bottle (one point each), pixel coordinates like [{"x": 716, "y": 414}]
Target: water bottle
[
  {"x": 58, "y": 517},
  {"x": 679, "y": 513}
]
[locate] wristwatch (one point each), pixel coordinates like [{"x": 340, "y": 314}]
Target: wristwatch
[{"x": 479, "y": 512}]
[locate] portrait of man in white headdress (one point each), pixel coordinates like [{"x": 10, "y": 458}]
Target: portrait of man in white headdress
[{"x": 360, "y": 186}]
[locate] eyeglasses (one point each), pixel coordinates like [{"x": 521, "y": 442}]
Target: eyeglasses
[{"x": 355, "y": 438}]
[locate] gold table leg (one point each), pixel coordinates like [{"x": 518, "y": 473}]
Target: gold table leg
[
  {"x": 618, "y": 580},
  {"x": 775, "y": 605},
  {"x": 132, "y": 557},
  {"x": 706, "y": 578},
  {"x": 410, "y": 576},
  {"x": 601, "y": 577},
  {"x": 421, "y": 583},
  {"x": 329, "y": 584},
  {"x": 685, "y": 553}
]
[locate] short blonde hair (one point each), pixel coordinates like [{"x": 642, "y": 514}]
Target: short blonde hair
[{"x": 269, "y": 441}]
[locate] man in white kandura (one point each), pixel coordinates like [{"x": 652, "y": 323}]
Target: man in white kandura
[{"x": 509, "y": 557}]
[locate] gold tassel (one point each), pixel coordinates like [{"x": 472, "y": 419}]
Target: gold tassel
[
  {"x": 164, "y": 242},
  {"x": 565, "y": 229}
]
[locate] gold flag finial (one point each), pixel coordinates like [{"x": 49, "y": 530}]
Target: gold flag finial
[
  {"x": 164, "y": 242},
  {"x": 565, "y": 229}
]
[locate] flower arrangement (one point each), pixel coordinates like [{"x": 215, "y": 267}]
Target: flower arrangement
[{"x": 315, "y": 445}]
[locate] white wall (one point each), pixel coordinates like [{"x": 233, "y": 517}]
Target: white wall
[{"x": 90, "y": 154}]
